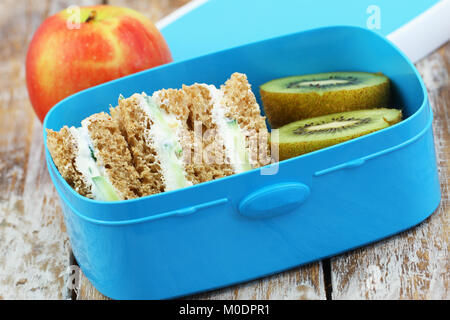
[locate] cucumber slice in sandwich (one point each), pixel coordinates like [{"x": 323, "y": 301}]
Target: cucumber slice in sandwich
[
  {"x": 105, "y": 191},
  {"x": 238, "y": 141},
  {"x": 165, "y": 137}
]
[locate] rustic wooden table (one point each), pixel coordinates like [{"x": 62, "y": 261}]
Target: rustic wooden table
[{"x": 35, "y": 255}]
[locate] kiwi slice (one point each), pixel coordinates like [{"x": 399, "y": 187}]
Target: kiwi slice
[
  {"x": 308, "y": 135},
  {"x": 300, "y": 97}
]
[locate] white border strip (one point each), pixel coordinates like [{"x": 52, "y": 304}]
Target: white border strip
[
  {"x": 179, "y": 13},
  {"x": 425, "y": 33}
]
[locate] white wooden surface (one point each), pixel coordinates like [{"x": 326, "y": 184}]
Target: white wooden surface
[{"x": 34, "y": 249}]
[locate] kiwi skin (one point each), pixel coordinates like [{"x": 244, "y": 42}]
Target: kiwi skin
[
  {"x": 290, "y": 150},
  {"x": 284, "y": 108}
]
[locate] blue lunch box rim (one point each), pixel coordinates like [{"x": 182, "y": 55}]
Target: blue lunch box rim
[
  {"x": 174, "y": 212},
  {"x": 51, "y": 165}
]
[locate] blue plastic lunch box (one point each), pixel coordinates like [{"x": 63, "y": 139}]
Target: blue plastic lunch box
[{"x": 266, "y": 220}]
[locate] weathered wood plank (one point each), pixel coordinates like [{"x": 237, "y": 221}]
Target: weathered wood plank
[
  {"x": 34, "y": 248},
  {"x": 305, "y": 283},
  {"x": 414, "y": 264},
  {"x": 86, "y": 291}
]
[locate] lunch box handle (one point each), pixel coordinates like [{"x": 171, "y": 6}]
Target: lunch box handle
[{"x": 274, "y": 200}]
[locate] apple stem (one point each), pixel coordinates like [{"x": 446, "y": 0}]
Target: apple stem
[{"x": 92, "y": 16}]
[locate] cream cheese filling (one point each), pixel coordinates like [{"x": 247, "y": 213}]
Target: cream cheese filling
[
  {"x": 164, "y": 135},
  {"x": 229, "y": 130},
  {"x": 86, "y": 164}
]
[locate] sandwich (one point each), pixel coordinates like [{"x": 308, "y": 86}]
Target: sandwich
[
  {"x": 94, "y": 159},
  {"x": 169, "y": 140}
]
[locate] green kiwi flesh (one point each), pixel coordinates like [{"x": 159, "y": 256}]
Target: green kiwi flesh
[
  {"x": 300, "y": 97},
  {"x": 308, "y": 135},
  {"x": 322, "y": 82}
]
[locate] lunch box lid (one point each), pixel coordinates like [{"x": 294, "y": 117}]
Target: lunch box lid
[{"x": 208, "y": 22}]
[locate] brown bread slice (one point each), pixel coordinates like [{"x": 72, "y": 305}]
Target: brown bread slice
[
  {"x": 134, "y": 125},
  {"x": 240, "y": 104},
  {"x": 112, "y": 153}
]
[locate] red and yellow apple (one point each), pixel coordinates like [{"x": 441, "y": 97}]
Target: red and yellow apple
[{"x": 82, "y": 47}]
